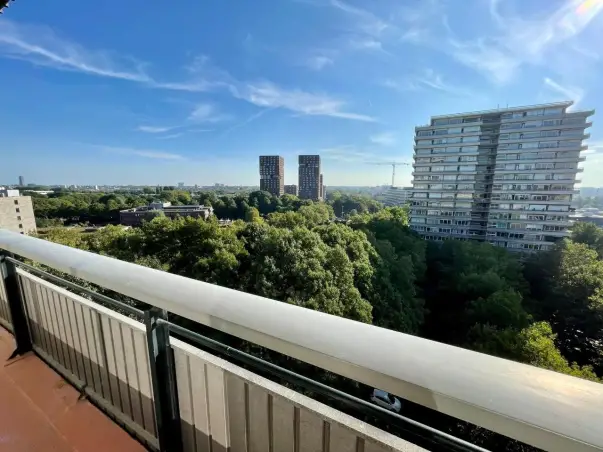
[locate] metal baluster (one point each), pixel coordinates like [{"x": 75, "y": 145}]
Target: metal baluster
[
  {"x": 163, "y": 378},
  {"x": 16, "y": 307}
]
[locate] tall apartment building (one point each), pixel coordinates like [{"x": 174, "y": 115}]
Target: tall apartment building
[
  {"x": 21, "y": 181},
  {"x": 291, "y": 189},
  {"x": 322, "y": 187},
  {"x": 272, "y": 174},
  {"x": 309, "y": 177},
  {"x": 16, "y": 212},
  {"x": 504, "y": 176}
]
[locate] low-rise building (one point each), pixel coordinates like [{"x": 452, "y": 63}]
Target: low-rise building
[
  {"x": 291, "y": 189},
  {"x": 397, "y": 196},
  {"x": 135, "y": 216},
  {"x": 16, "y": 212}
]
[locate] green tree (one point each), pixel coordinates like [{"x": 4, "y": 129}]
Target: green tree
[
  {"x": 460, "y": 279},
  {"x": 296, "y": 266},
  {"x": 588, "y": 234},
  {"x": 567, "y": 291},
  {"x": 501, "y": 309},
  {"x": 537, "y": 347},
  {"x": 253, "y": 215}
]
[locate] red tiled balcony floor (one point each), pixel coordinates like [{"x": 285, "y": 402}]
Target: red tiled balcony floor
[{"x": 39, "y": 411}]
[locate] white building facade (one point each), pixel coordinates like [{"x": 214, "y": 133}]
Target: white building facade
[
  {"x": 396, "y": 196},
  {"x": 504, "y": 176}
]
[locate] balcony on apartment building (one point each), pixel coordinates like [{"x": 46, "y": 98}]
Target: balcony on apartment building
[{"x": 176, "y": 389}]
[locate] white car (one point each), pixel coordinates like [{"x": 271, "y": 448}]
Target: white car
[{"x": 386, "y": 400}]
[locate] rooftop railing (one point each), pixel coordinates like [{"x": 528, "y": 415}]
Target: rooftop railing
[{"x": 176, "y": 396}]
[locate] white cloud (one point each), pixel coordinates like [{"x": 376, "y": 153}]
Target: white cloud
[
  {"x": 428, "y": 79},
  {"x": 41, "y": 46},
  {"x": 248, "y": 120},
  {"x": 154, "y": 129},
  {"x": 384, "y": 139},
  {"x": 171, "y": 136},
  {"x": 267, "y": 94},
  {"x": 595, "y": 147},
  {"x": 368, "y": 22},
  {"x": 347, "y": 153},
  {"x": 588, "y": 53},
  {"x": 147, "y": 153},
  {"x": 525, "y": 41},
  {"x": 415, "y": 35},
  {"x": 366, "y": 27},
  {"x": 568, "y": 92},
  {"x": 207, "y": 113},
  {"x": 157, "y": 155},
  {"x": 193, "y": 86},
  {"x": 593, "y": 168},
  {"x": 318, "y": 62},
  {"x": 367, "y": 44},
  {"x": 496, "y": 63}
]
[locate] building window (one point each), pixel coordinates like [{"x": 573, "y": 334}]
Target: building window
[
  {"x": 18, "y": 210},
  {"x": 16, "y": 202},
  {"x": 20, "y": 226},
  {"x": 18, "y": 218}
]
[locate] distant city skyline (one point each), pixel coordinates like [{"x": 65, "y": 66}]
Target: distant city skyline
[{"x": 346, "y": 79}]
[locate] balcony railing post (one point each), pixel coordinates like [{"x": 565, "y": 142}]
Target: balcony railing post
[
  {"x": 163, "y": 376},
  {"x": 16, "y": 306}
]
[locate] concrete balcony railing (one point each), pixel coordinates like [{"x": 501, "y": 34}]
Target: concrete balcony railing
[{"x": 176, "y": 396}]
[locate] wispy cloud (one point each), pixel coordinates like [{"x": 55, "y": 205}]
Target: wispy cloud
[
  {"x": 384, "y": 139},
  {"x": 270, "y": 95},
  {"x": 207, "y": 113},
  {"x": 590, "y": 54},
  {"x": 193, "y": 86},
  {"x": 185, "y": 132},
  {"x": 39, "y": 45},
  {"x": 368, "y": 21},
  {"x": 415, "y": 35},
  {"x": 595, "y": 147},
  {"x": 359, "y": 154},
  {"x": 154, "y": 129},
  {"x": 568, "y": 92},
  {"x": 317, "y": 62},
  {"x": 147, "y": 153},
  {"x": 347, "y": 153},
  {"x": 428, "y": 79},
  {"x": 367, "y": 44},
  {"x": 485, "y": 57},
  {"x": 171, "y": 136},
  {"x": 523, "y": 41},
  {"x": 248, "y": 120},
  {"x": 367, "y": 28}
]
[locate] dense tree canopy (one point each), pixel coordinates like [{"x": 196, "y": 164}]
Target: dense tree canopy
[{"x": 104, "y": 208}]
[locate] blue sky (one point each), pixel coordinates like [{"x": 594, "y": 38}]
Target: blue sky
[{"x": 154, "y": 92}]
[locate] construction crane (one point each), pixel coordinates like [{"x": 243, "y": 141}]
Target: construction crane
[{"x": 393, "y": 164}]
